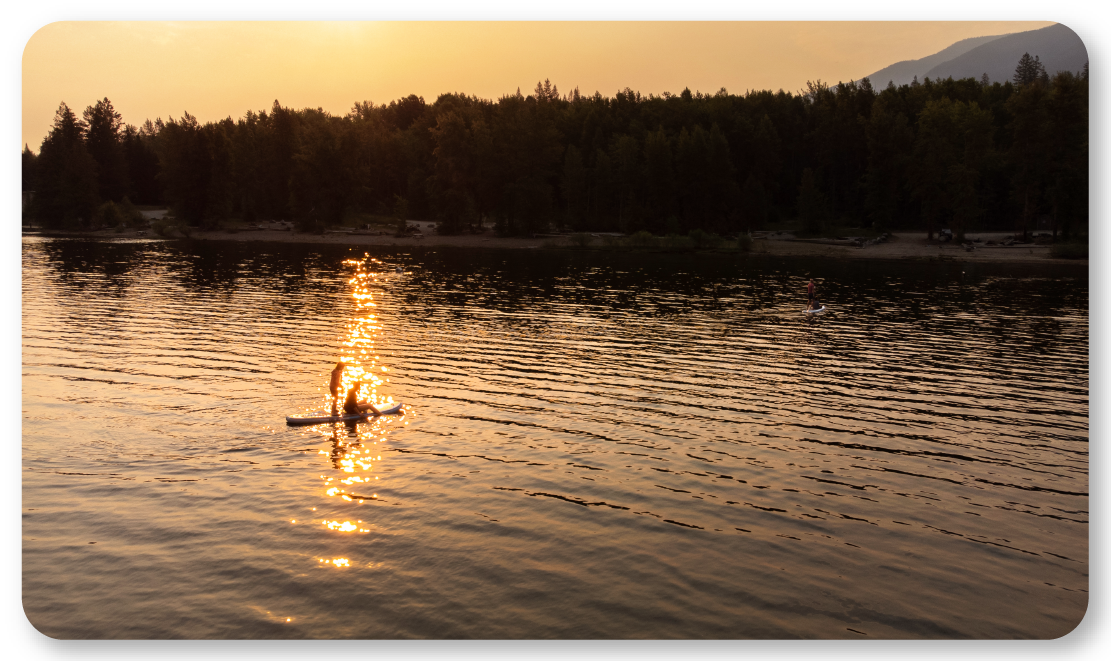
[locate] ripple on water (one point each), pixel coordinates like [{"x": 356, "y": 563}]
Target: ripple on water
[{"x": 592, "y": 445}]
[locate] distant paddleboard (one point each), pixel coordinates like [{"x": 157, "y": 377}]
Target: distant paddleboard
[
  {"x": 818, "y": 311},
  {"x": 322, "y": 417}
]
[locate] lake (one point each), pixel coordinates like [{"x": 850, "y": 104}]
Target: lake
[{"x": 593, "y": 445}]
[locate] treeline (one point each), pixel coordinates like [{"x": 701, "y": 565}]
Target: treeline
[{"x": 958, "y": 153}]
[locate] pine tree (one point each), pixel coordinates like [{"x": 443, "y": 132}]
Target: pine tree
[
  {"x": 104, "y": 140},
  {"x": 754, "y": 204},
  {"x": 142, "y": 163},
  {"x": 28, "y": 162},
  {"x": 890, "y": 141},
  {"x": 574, "y": 187},
  {"x": 1067, "y": 152},
  {"x": 603, "y": 191},
  {"x": 65, "y": 175},
  {"x": 1028, "y": 149},
  {"x": 935, "y": 152},
  {"x": 659, "y": 178},
  {"x": 811, "y": 204},
  {"x": 1029, "y": 70}
]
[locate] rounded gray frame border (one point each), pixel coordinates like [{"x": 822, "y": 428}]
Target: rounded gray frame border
[{"x": 1087, "y": 641}]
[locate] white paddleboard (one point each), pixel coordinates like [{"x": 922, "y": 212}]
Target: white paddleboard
[
  {"x": 818, "y": 311},
  {"x": 321, "y": 417}
]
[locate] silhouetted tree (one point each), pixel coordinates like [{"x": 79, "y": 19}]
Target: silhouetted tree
[
  {"x": 754, "y": 204},
  {"x": 1067, "y": 152},
  {"x": 890, "y": 141},
  {"x": 104, "y": 141},
  {"x": 811, "y": 204},
  {"x": 65, "y": 175},
  {"x": 1029, "y": 70},
  {"x": 1029, "y": 146},
  {"x": 186, "y": 168},
  {"x": 967, "y": 152},
  {"x": 574, "y": 188},
  {"x": 142, "y": 162},
  {"x": 28, "y": 168},
  {"x": 659, "y": 179}
]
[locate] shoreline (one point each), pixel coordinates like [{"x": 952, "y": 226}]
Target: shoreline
[{"x": 905, "y": 246}]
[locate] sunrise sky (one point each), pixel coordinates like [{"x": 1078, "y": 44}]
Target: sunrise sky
[{"x": 216, "y": 70}]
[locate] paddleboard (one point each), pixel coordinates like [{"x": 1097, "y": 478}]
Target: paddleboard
[
  {"x": 818, "y": 311},
  {"x": 321, "y": 417}
]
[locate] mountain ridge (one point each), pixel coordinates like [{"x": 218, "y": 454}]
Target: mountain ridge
[
  {"x": 902, "y": 73},
  {"x": 1057, "y": 47}
]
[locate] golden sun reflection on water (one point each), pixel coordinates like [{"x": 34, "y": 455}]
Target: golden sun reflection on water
[
  {"x": 354, "y": 455},
  {"x": 358, "y": 342}
]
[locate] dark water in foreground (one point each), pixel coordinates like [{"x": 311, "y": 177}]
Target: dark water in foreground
[{"x": 595, "y": 445}]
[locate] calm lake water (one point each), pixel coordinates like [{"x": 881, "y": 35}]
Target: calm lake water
[{"x": 594, "y": 445}]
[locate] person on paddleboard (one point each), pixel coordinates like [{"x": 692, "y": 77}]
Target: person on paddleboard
[
  {"x": 335, "y": 383},
  {"x": 811, "y": 297},
  {"x": 351, "y": 405}
]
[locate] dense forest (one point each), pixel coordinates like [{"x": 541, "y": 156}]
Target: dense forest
[{"x": 963, "y": 154}]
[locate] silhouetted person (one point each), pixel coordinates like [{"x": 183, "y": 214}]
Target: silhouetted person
[
  {"x": 811, "y": 297},
  {"x": 335, "y": 383},
  {"x": 352, "y": 406}
]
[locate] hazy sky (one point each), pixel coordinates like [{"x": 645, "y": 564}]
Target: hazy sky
[{"x": 216, "y": 70}]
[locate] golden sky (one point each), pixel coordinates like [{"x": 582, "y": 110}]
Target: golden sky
[{"x": 219, "y": 69}]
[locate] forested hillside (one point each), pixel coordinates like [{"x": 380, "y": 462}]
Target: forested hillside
[{"x": 956, "y": 153}]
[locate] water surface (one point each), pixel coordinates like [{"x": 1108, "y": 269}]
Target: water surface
[{"x": 594, "y": 445}]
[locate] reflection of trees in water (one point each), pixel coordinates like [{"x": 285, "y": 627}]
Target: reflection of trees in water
[
  {"x": 196, "y": 265},
  {"x": 536, "y": 288},
  {"x": 72, "y": 257},
  {"x": 447, "y": 282},
  {"x": 204, "y": 265}
]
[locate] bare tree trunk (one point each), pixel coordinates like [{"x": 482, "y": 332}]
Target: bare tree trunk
[{"x": 1025, "y": 213}]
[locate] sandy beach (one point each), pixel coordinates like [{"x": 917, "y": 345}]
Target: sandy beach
[{"x": 902, "y": 246}]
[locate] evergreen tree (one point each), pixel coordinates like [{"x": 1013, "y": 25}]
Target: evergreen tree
[
  {"x": 28, "y": 162},
  {"x": 1029, "y": 70},
  {"x": 142, "y": 163},
  {"x": 975, "y": 148},
  {"x": 659, "y": 176},
  {"x": 325, "y": 162},
  {"x": 934, "y": 154},
  {"x": 1067, "y": 152},
  {"x": 670, "y": 163},
  {"x": 603, "y": 192},
  {"x": 692, "y": 157},
  {"x": 104, "y": 138},
  {"x": 890, "y": 142},
  {"x": 574, "y": 188},
  {"x": 753, "y": 204},
  {"x": 65, "y": 175},
  {"x": 812, "y": 206},
  {"x": 628, "y": 168},
  {"x": 186, "y": 168},
  {"x": 1028, "y": 149}
]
